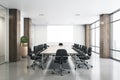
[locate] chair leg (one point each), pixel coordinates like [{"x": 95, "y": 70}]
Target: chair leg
[
  {"x": 34, "y": 64},
  {"x": 31, "y": 66},
  {"x": 86, "y": 65},
  {"x": 61, "y": 70}
]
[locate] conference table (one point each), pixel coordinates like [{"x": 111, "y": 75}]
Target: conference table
[{"x": 51, "y": 50}]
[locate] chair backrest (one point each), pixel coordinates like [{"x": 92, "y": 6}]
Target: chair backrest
[
  {"x": 85, "y": 49},
  {"x": 45, "y": 45},
  {"x": 41, "y": 47},
  {"x": 36, "y": 49},
  {"x": 31, "y": 54},
  {"x": 89, "y": 51},
  {"x": 61, "y": 53},
  {"x": 60, "y": 44},
  {"x": 29, "y": 51},
  {"x": 79, "y": 46},
  {"x": 82, "y": 48}
]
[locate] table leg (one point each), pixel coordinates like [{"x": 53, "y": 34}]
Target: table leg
[{"x": 42, "y": 62}]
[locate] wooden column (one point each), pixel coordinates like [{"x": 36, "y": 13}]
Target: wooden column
[
  {"x": 87, "y": 35},
  {"x": 14, "y": 35},
  {"x": 27, "y": 29},
  {"x": 104, "y": 35}
]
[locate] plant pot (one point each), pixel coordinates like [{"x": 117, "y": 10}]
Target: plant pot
[
  {"x": 24, "y": 44},
  {"x": 24, "y": 50}
]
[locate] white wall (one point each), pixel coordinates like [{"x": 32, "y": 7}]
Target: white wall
[
  {"x": 21, "y": 25},
  {"x": 79, "y": 34},
  {"x": 40, "y": 35}
]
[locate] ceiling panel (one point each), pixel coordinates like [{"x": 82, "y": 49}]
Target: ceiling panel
[{"x": 69, "y": 12}]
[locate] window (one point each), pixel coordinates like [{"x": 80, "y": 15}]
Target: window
[
  {"x": 59, "y": 33},
  {"x": 95, "y": 37},
  {"x": 115, "y": 39},
  {"x": 116, "y": 16}
]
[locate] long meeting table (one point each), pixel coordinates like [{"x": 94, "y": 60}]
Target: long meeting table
[{"x": 51, "y": 50}]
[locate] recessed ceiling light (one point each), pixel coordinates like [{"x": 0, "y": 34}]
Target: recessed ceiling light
[
  {"x": 41, "y": 14},
  {"x": 77, "y": 14}
]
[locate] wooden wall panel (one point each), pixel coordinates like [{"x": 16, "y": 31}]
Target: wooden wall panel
[
  {"x": 87, "y": 35},
  {"x": 27, "y": 29},
  {"x": 14, "y": 35},
  {"x": 105, "y": 36}
]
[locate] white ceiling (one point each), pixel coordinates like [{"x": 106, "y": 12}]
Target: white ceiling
[{"x": 63, "y": 11}]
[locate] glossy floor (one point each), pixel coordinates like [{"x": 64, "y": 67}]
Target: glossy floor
[{"x": 103, "y": 69}]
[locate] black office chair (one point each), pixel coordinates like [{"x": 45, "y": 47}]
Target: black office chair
[
  {"x": 45, "y": 46},
  {"x": 89, "y": 51},
  {"x": 35, "y": 57},
  {"x": 85, "y": 56},
  {"x": 60, "y": 58},
  {"x": 60, "y": 44},
  {"x": 76, "y": 47}
]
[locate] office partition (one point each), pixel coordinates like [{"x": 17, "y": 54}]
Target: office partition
[{"x": 2, "y": 34}]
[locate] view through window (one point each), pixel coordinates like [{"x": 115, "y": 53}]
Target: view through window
[{"x": 59, "y": 33}]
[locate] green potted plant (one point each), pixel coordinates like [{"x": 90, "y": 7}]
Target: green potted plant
[
  {"x": 24, "y": 41},
  {"x": 24, "y": 46}
]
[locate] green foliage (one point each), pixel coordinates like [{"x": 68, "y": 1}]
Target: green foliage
[{"x": 24, "y": 39}]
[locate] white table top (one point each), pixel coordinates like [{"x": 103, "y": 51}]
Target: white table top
[{"x": 53, "y": 48}]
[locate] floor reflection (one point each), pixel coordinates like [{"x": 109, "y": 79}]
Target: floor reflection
[{"x": 103, "y": 69}]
